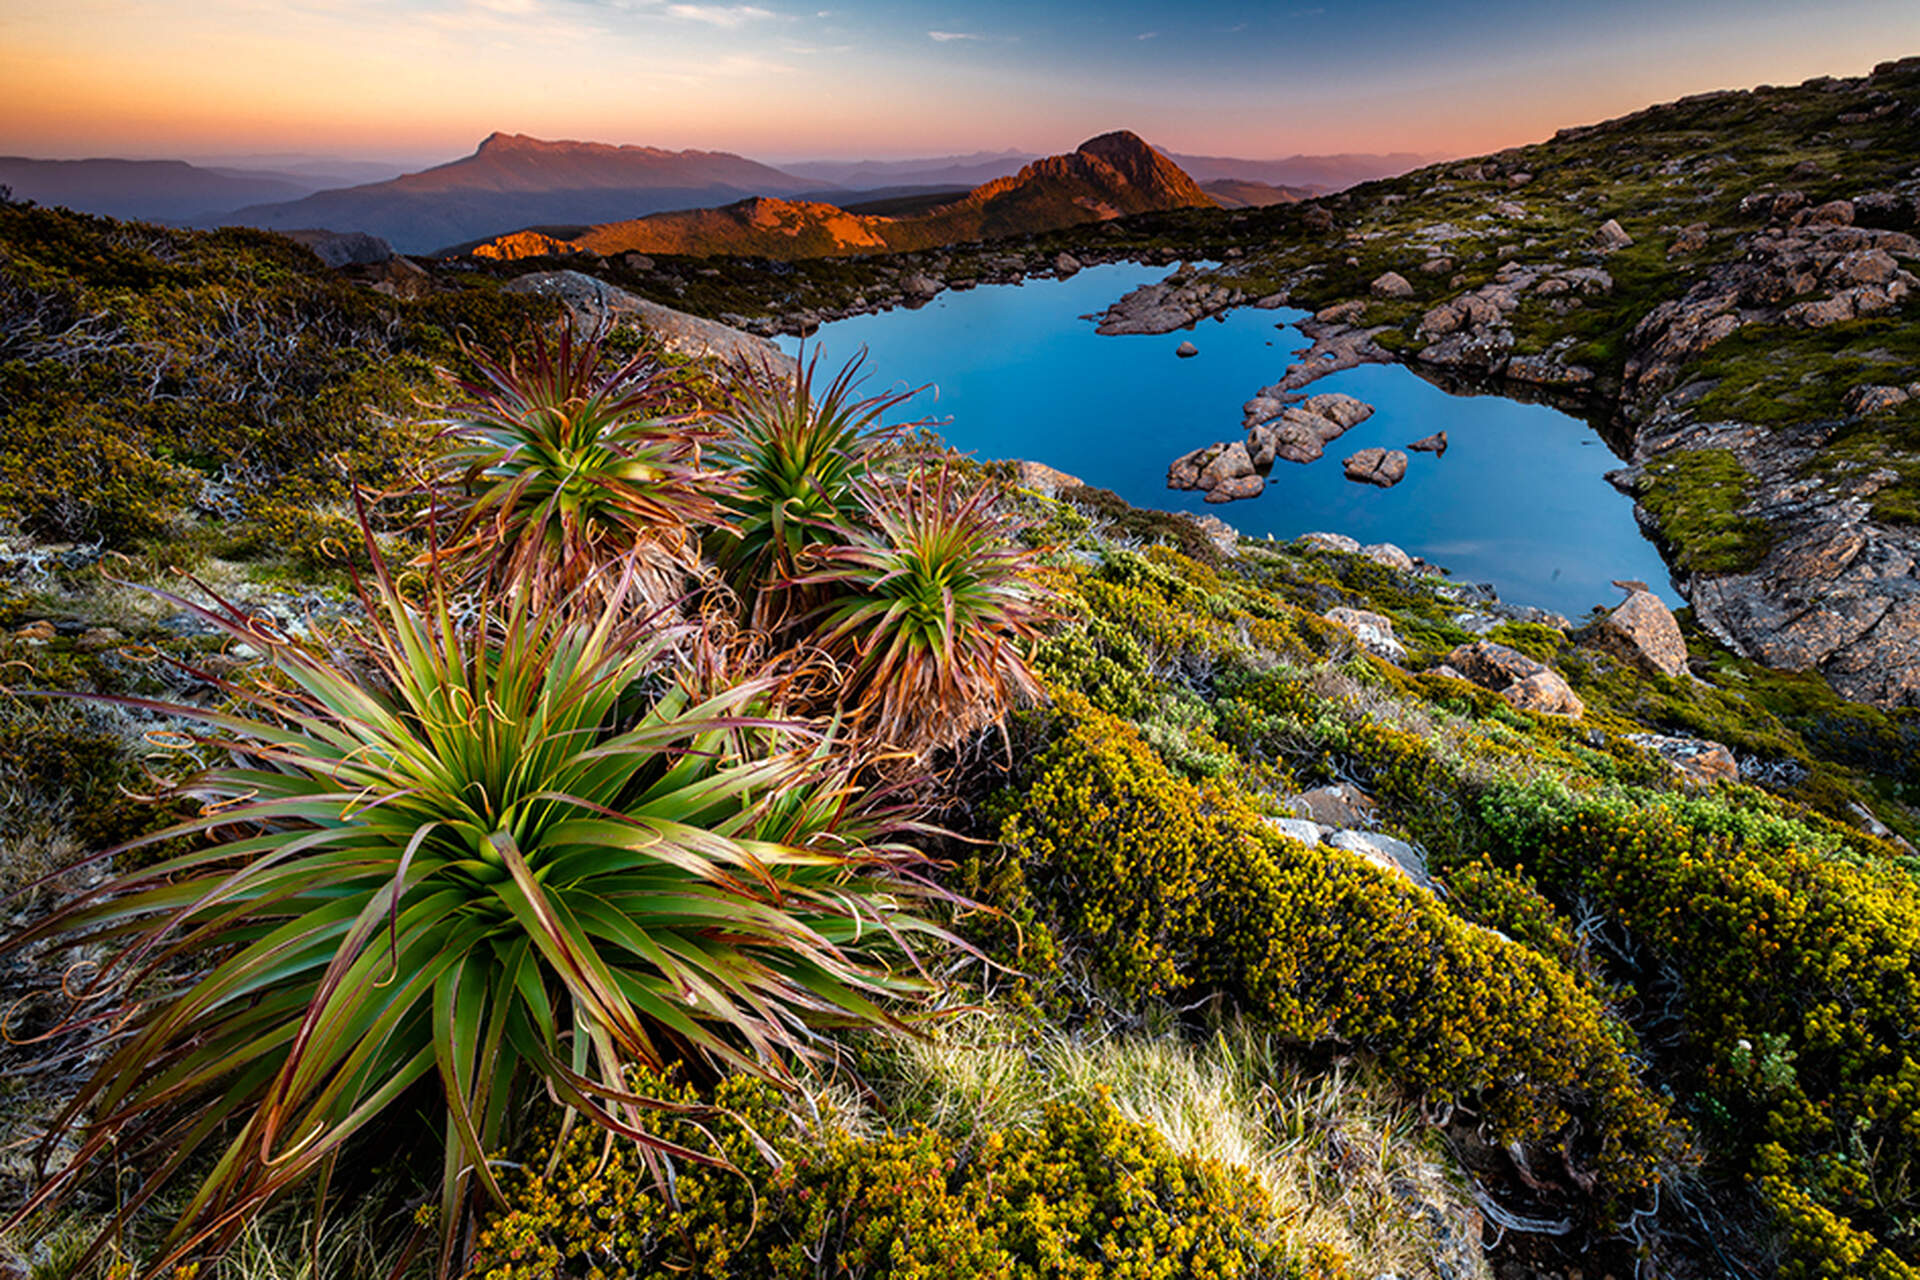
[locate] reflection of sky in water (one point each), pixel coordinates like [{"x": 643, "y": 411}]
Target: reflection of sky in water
[{"x": 1517, "y": 501}]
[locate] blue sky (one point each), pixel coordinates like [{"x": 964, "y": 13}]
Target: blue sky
[{"x": 426, "y": 79}]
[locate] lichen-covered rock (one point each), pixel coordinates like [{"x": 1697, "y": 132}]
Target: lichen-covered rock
[
  {"x": 1391, "y": 284},
  {"x": 1643, "y": 631},
  {"x": 1493, "y": 666},
  {"x": 1547, "y": 693},
  {"x": 1344, "y": 411},
  {"x": 1697, "y": 760},
  {"x": 1184, "y": 471},
  {"x": 1611, "y": 237},
  {"x": 1876, "y": 399},
  {"x": 1385, "y": 852},
  {"x": 1374, "y": 632}
]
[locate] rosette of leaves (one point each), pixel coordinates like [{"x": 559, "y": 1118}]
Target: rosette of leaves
[
  {"x": 456, "y": 865},
  {"x": 929, "y": 606},
  {"x": 798, "y": 458},
  {"x": 560, "y": 468}
]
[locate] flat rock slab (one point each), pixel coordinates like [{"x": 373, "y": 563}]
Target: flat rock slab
[{"x": 593, "y": 303}]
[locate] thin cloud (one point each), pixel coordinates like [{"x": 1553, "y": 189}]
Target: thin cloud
[
  {"x": 718, "y": 15},
  {"x": 1148, "y": 35},
  {"x": 944, "y": 36}
]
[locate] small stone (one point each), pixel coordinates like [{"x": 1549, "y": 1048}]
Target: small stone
[
  {"x": 1698, "y": 761},
  {"x": 1692, "y": 239},
  {"x": 1389, "y": 555},
  {"x": 1436, "y": 444},
  {"x": 1186, "y": 351},
  {"x": 1610, "y": 236},
  {"x": 1384, "y": 852},
  {"x": 1331, "y": 542},
  {"x": 1643, "y": 631},
  {"x": 1547, "y": 693},
  {"x": 1382, "y": 467},
  {"x": 1066, "y": 264},
  {"x": 1374, "y": 632},
  {"x": 1391, "y": 284},
  {"x": 636, "y": 261}
]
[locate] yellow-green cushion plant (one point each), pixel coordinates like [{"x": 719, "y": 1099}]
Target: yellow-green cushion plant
[{"x": 464, "y": 862}]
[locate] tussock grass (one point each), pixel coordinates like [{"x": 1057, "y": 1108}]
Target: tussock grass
[{"x": 1345, "y": 1161}]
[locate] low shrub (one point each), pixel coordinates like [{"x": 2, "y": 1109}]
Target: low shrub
[
  {"x": 1168, "y": 888},
  {"x": 1087, "y": 1195}
]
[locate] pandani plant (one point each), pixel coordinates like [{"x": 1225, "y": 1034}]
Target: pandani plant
[
  {"x": 560, "y": 467},
  {"x": 453, "y": 865},
  {"x": 928, "y": 605},
  {"x": 798, "y": 456}
]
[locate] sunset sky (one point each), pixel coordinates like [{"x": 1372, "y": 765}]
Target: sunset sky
[{"x": 423, "y": 80}]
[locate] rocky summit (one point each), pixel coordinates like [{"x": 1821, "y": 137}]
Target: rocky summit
[{"x": 1111, "y": 176}]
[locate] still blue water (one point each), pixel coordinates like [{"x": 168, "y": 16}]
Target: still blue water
[{"x": 1013, "y": 372}]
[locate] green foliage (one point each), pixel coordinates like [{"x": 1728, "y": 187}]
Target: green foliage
[
  {"x": 1175, "y": 889},
  {"x": 520, "y": 853},
  {"x": 1087, "y": 1195},
  {"x": 799, "y": 458},
  {"x": 1695, "y": 497},
  {"x": 1798, "y": 968}
]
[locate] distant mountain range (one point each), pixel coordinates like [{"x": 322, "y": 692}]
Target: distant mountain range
[
  {"x": 156, "y": 190},
  {"x": 1238, "y": 193},
  {"x": 1106, "y": 177},
  {"x": 950, "y": 172},
  {"x": 1327, "y": 173},
  {"x": 515, "y": 181},
  {"x": 560, "y": 188}
]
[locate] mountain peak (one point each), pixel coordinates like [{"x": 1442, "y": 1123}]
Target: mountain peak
[{"x": 1120, "y": 142}]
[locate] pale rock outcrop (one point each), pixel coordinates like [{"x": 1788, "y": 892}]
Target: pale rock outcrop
[
  {"x": 1643, "y": 631},
  {"x": 1384, "y": 851},
  {"x": 1047, "y": 481},
  {"x": 1545, "y": 692},
  {"x": 1374, "y": 632},
  {"x": 593, "y": 303},
  {"x": 1389, "y": 555},
  {"x": 1698, "y": 761}
]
